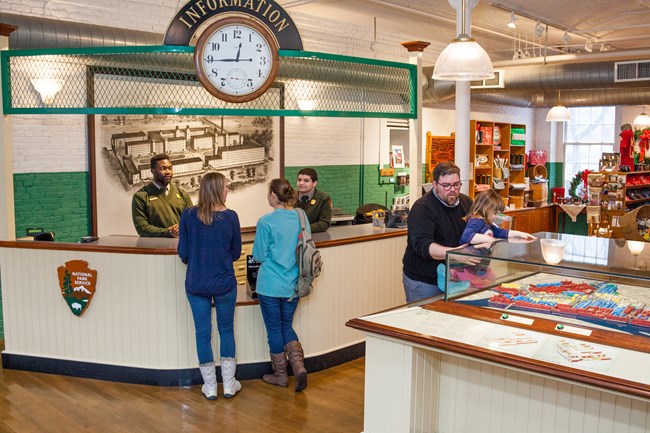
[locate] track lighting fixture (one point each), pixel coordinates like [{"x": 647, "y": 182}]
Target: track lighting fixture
[
  {"x": 513, "y": 21},
  {"x": 539, "y": 29},
  {"x": 589, "y": 46},
  {"x": 566, "y": 39}
]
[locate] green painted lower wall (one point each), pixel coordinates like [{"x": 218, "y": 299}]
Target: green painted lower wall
[
  {"x": 555, "y": 175},
  {"x": 56, "y": 202},
  {"x": 350, "y": 186}
]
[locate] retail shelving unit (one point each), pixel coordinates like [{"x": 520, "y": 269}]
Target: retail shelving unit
[{"x": 494, "y": 142}]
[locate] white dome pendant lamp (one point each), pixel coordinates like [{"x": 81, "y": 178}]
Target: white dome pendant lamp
[
  {"x": 642, "y": 119},
  {"x": 463, "y": 59},
  {"x": 559, "y": 113}
]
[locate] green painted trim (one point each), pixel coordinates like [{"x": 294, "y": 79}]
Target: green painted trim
[
  {"x": 6, "y": 90},
  {"x": 414, "y": 91},
  {"x": 101, "y": 50},
  {"x": 209, "y": 112},
  {"x": 341, "y": 58},
  {"x": 190, "y": 49},
  {"x": 8, "y": 109}
]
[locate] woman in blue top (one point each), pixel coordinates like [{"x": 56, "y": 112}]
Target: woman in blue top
[
  {"x": 276, "y": 239},
  {"x": 209, "y": 241}
]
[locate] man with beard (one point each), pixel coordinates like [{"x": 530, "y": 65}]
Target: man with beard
[
  {"x": 156, "y": 208},
  {"x": 435, "y": 225}
]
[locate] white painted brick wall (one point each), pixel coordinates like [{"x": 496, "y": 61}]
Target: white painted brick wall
[{"x": 49, "y": 143}]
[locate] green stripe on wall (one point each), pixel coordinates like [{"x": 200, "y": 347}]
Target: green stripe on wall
[
  {"x": 343, "y": 184},
  {"x": 555, "y": 175},
  {"x": 56, "y": 202}
]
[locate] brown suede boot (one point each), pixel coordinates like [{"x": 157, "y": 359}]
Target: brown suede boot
[
  {"x": 297, "y": 359},
  {"x": 280, "y": 376}
]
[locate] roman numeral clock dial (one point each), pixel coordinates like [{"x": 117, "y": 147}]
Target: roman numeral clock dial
[{"x": 236, "y": 59}]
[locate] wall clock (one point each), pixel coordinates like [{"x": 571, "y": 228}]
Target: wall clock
[{"x": 236, "y": 59}]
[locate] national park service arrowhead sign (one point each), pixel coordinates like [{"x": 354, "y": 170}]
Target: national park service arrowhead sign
[{"x": 77, "y": 282}]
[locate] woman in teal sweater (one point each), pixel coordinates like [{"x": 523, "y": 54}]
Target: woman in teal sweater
[{"x": 276, "y": 239}]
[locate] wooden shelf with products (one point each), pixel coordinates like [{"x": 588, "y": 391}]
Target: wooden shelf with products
[
  {"x": 496, "y": 146},
  {"x": 620, "y": 192}
]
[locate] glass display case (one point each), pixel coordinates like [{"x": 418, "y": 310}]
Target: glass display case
[
  {"x": 595, "y": 281},
  {"x": 552, "y": 333}
]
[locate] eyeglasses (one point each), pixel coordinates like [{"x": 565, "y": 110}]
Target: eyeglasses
[{"x": 448, "y": 186}]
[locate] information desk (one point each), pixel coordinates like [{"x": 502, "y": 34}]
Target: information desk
[
  {"x": 528, "y": 347},
  {"x": 138, "y": 326}
]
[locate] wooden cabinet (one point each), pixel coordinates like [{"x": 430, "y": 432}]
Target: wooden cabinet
[
  {"x": 533, "y": 220},
  {"x": 240, "y": 264},
  {"x": 496, "y": 146},
  {"x": 621, "y": 193}
]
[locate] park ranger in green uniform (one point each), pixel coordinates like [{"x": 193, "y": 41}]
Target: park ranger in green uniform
[
  {"x": 156, "y": 208},
  {"x": 316, "y": 204}
]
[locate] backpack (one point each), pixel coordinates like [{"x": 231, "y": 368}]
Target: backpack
[{"x": 308, "y": 258}]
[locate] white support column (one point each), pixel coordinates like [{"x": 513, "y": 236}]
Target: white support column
[
  {"x": 7, "y": 214},
  {"x": 461, "y": 157},
  {"x": 415, "y": 49},
  {"x": 462, "y": 153}
]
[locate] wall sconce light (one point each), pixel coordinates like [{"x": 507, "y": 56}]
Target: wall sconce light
[
  {"x": 463, "y": 59},
  {"x": 559, "y": 113},
  {"x": 47, "y": 88},
  {"x": 306, "y": 104},
  {"x": 642, "y": 119},
  {"x": 589, "y": 46},
  {"x": 539, "y": 29},
  {"x": 513, "y": 21}
]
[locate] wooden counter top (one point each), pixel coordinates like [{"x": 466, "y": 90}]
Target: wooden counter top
[{"x": 130, "y": 244}]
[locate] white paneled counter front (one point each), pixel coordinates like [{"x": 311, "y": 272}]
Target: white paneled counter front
[{"x": 138, "y": 326}]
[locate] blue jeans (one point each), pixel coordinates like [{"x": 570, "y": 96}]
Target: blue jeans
[
  {"x": 278, "y": 319},
  {"x": 201, "y": 309},
  {"x": 416, "y": 290}
]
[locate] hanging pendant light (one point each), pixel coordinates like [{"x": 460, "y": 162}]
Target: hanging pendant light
[
  {"x": 463, "y": 59},
  {"x": 559, "y": 113},
  {"x": 642, "y": 119}
]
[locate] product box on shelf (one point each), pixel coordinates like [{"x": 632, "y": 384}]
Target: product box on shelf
[{"x": 537, "y": 157}]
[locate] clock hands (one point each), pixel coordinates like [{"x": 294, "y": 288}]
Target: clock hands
[
  {"x": 238, "y": 51},
  {"x": 229, "y": 60},
  {"x": 209, "y": 59}
]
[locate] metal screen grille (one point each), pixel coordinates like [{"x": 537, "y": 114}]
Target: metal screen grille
[{"x": 162, "y": 80}]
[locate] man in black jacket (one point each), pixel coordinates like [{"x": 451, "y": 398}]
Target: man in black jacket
[{"x": 435, "y": 224}]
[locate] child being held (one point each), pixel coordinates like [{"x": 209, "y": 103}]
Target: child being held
[{"x": 480, "y": 230}]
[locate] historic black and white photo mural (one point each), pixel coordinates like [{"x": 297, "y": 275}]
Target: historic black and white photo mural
[{"x": 244, "y": 149}]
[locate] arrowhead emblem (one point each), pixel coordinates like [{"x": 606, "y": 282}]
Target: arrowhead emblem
[{"x": 77, "y": 282}]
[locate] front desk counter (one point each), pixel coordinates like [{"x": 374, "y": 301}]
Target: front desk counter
[
  {"x": 528, "y": 347},
  {"x": 138, "y": 327}
]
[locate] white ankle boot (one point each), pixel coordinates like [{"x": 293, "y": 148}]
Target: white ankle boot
[
  {"x": 231, "y": 386},
  {"x": 209, "y": 388}
]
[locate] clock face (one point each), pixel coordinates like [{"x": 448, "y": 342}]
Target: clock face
[{"x": 236, "y": 59}]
